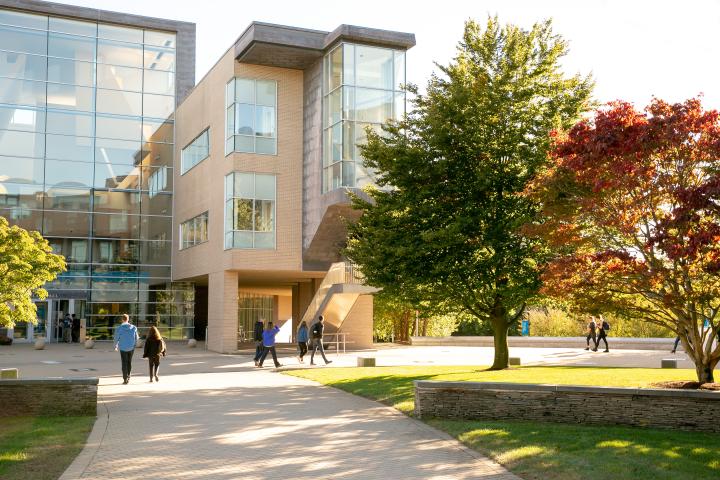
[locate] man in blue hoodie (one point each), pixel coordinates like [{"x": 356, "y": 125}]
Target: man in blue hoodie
[
  {"x": 126, "y": 337},
  {"x": 269, "y": 344}
]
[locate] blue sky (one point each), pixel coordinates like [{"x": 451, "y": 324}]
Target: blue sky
[{"x": 634, "y": 48}]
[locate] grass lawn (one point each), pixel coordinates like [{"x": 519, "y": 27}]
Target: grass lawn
[
  {"x": 40, "y": 448},
  {"x": 537, "y": 450}
]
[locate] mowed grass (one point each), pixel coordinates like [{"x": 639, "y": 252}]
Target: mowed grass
[
  {"x": 40, "y": 448},
  {"x": 394, "y": 385},
  {"x": 535, "y": 450}
]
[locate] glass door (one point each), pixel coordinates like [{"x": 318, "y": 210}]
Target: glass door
[{"x": 39, "y": 330}]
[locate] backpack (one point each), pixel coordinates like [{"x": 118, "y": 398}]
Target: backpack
[
  {"x": 316, "y": 330},
  {"x": 605, "y": 325}
]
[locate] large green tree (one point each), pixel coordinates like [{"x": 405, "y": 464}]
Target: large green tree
[
  {"x": 445, "y": 224},
  {"x": 26, "y": 264}
]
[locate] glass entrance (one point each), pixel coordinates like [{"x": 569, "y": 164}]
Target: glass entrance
[{"x": 251, "y": 308}]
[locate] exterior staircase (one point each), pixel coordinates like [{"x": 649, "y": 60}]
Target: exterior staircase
[{"x": 335, "y": 299}]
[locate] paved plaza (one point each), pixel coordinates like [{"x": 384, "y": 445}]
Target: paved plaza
[{"x": 215, "y": 416}]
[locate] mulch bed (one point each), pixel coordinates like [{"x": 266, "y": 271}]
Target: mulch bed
[{"x": 686, "y": 385}]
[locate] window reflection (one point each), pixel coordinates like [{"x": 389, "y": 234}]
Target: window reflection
[
  {"x": 22, "y": 144},
  {"x": 23, "y": 40},
  {"x": 22, "y": 170},
  {"x": 119, "y": 78},
  {"x": 75, "y": 174},
  {"x": 116, "y": 202},
  {"x": 116, "y": 176},
  {"x": 71, "y": 46},
  {"x": 21, "y": 65},
  {"x": 61, "y": 70}
]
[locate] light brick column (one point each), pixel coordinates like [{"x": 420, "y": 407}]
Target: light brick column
[
  {"x": 359, "y": 323},
  {"x": 222, "y": 311}
]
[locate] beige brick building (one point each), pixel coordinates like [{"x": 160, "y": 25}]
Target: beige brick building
[{"x": 265, "y": 156}]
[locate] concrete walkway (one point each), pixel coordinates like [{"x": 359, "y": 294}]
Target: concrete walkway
[{"x": 254, "y": 424}]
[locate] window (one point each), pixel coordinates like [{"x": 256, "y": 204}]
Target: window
[
  {"x": 251, "y": 114},
  {"x": 249, "y": 210},
  {"x": 158, "y": 181},
  {"x": 362, "y": 87},
  {"x": 194, "y": 231},
  {"x": 197, "y": 151}
]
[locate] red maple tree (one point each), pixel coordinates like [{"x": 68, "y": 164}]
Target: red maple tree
[{"x": 632, "y": 210}]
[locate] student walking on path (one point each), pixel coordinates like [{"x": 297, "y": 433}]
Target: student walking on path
[
  {"x": 258, "y": 337},
  {"x": 302, "y": 339},
  {"x": 602, "y": 334},
  {"x": 154, "y": 347},
  {"x": 591, "y": 329},
  {"x": 317, "y": 334},
  {"x": 126, "y": 337},
  {"x": 269, "y": 344}
]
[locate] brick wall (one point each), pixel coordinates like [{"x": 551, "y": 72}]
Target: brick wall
[
  {"x": 679, "y": 409},
  {"x": 45, "y": 397}
]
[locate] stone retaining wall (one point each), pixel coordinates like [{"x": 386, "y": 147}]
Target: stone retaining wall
[
  {"x": 615, "y": 343},
  {"x": 679, "y": 409},
  {"x": 48, "y": 397}
]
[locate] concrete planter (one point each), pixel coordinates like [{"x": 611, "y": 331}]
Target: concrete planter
[
  {"x": 140, "y": 343},
  {"x": 40, "y": 344},
  {"x": 89, "y": 343}
]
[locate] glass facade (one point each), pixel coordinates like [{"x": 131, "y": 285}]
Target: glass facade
[
  {"x": 362, "y": 88},
  {"x": 86, "y": 156},
  {"x": 251, "y": 308},
  {"x": 249, "y": 210},
  {"x": 251, "y": 116}
]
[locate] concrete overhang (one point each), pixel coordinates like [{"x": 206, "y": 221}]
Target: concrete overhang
[{"x": 298, "y": 48}]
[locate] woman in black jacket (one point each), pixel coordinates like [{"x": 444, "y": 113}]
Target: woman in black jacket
[{"x": 154, "y": 347}]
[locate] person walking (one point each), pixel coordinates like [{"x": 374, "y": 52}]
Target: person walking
[
  {"x": 602, "y": 334},
  {"x": 268, "y": 342},
  {"x": 66, "y": 328},
  {"x": 154, "y": 347},
  {"x": 258, "y": 338},
  {"x": 302, "y": 339},
  {"x": 317, "y": 335},
  {"x": 75, "y": 332},
  {"x": 591, "y": 329},
  {"x": 126, "y": 337}
]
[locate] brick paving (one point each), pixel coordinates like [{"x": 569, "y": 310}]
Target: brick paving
[{"x": 254, "y": 424}]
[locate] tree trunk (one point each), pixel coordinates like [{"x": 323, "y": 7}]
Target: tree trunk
[
  {"x": 500, "y": 337},
  {"x": 704, "y": 370}
]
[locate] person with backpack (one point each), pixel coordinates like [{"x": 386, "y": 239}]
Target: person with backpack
[
  {"x": 591, "y": 329},
  {"x": 154, "y": 347},
  {"x": 602, "y": 334},
  {"x": 302, "y": 339},
  {"x": 258, "y": 338},
  {"x": 317, "y": 335},
  {"x": 268, "y": 342}
]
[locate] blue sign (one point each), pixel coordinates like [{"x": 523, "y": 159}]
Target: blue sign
[{"x": 526, "y": 328}]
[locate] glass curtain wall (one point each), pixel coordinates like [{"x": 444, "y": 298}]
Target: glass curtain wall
[
  {"x": 251, "y": 308},
  {"x": 86, "y": 152},
  {"x": 362, "y": 88}
]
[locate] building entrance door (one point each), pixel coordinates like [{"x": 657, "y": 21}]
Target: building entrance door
[{"x": 26, "y": 332}]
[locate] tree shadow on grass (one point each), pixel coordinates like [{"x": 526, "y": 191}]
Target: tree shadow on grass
[{"x": 567, "y": 452}]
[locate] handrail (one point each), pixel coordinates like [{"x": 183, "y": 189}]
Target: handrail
[
  {"x": 337, "y": 342},
  {"x": 334, "y": 276}
]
